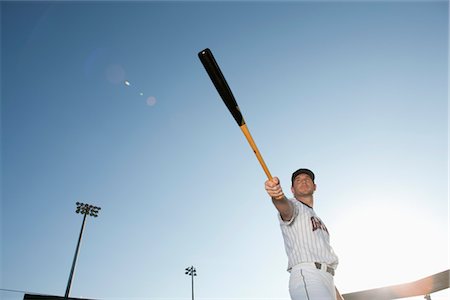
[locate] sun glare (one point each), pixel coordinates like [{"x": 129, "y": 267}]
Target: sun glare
[{"x": 380, "y": 246}]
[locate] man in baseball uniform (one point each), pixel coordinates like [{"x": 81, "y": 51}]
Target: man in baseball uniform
[{"x": 311, "y": 260}]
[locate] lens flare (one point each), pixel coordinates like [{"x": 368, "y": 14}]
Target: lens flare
[{"x": 151, "y": 101}]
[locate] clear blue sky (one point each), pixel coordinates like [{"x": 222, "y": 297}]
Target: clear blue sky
[{"x": 356, "y": 91}]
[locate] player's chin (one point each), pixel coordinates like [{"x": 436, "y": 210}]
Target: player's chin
[{"x": 306, "y": 192}]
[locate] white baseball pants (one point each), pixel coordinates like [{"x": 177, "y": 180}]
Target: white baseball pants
[{"x": 309, "y": 283}]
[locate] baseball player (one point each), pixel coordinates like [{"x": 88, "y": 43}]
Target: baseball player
[{"x": 311, "y": 260}]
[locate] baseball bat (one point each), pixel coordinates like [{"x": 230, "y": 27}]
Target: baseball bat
[{"x": 213, "y": 70}]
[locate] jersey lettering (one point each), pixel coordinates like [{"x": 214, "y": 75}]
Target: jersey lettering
[{"x": 317, "y": 224}]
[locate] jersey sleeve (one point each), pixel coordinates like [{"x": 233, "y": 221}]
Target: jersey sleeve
[{"x": 294, "y": 215}]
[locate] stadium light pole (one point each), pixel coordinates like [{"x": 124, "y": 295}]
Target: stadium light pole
[
  {"x": 191, "y": 271},
  {"x": 84, "y": 209}
]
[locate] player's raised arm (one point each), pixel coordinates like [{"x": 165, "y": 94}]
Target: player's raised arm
[{"x": 282, "y": 204}]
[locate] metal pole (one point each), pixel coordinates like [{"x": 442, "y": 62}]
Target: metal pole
[
  {"x": 192, "y": 275},
  {"x": 69, "y": 284}
]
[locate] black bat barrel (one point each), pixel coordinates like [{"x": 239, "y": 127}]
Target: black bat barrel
[{"x": 213, "y": 70}]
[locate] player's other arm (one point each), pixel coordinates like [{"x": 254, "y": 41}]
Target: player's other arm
[
  {"x": 282, "y": 204},
  {"x": 338, "y": 295}
]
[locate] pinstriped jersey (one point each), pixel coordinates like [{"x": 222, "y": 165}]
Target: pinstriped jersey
[{"x": 306, "y": 238}]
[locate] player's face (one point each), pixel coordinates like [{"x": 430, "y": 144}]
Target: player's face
[{"x": 303, "y": 185}]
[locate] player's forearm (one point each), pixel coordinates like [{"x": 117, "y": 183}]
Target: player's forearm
[
  {"x": 338, "y": 295},
  {"x": 284, "y": 207}
]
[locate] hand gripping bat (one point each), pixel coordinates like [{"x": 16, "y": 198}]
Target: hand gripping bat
[{"x": 213, "y": 70}]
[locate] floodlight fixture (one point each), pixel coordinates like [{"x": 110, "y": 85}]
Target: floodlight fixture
[
  {"x": 84, "y": 209},
  {"x": 191, "y": 271}
]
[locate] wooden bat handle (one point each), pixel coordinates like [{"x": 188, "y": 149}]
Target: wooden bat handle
[{"x": 250, "y": 140}]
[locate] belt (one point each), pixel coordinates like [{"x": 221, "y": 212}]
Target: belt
[{"x": 325, "y": 268}]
